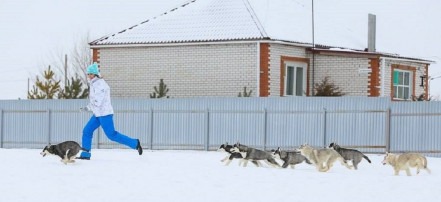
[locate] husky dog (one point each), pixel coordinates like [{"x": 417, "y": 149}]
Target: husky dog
[
  {"x": 231, "y": 155},
  {"x": 322, "y": 156},
  {"x": 349, "y": 154},
  {"x": 67, "y": 151},
  {"x": 289, "y": 157},
  {"x": 405, "y": 161},
  {"x": 249, "y": 153}
]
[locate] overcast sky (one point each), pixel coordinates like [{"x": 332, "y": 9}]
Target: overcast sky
[{"x": 32, "y": 31}]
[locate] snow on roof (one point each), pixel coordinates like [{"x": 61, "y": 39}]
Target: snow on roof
[
  {"x": 197, "y": 20},
  {"x": 278, "y": 20}
]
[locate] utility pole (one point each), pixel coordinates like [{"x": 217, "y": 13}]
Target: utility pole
[
  {"x": 65, "y": 71},
  {"x": 313, "y": 50}
]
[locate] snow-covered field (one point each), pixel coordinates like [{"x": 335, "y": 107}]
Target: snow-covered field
[{"x": 123, "y": 175}]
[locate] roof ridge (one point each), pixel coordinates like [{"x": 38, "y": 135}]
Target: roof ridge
[
  {"x": 131, "y": 27},
  {"x": 255, "y": 18}
]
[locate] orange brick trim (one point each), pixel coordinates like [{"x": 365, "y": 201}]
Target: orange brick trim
[
  {"x": 284, "y": 59},
  {"x": 402, "y": 67},
  {"x": 264, "y": 70},
  {"x": 374, "y": 78},
  {"x": 96, "y": 55},
  {"x": 426, "y": 79}
]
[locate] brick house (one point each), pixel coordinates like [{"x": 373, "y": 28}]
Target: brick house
[{"x": 214, "y": 48}]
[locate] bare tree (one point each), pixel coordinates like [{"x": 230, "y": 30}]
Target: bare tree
[
  {"x": 69, "y": 67},
  {"x": 76, "y": 59}
]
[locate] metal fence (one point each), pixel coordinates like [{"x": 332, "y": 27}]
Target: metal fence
[{"x": 368, "y": 124}]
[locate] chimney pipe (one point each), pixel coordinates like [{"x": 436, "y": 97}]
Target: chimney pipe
[{"x": 371, "y": 32}]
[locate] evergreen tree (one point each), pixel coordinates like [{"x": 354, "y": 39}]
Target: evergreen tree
[
  {"x": 74, "y": 89},
  {"x": 47, "y": 88},
  {"x": 245, "y": 93},
  {"x": 161, "y": 92},
  {"x": 421, "y": 97},
  {"x": 327, "y": 88}
]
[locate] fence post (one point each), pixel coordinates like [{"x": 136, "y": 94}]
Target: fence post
[
  {"x": 388, "y": 117},
  {"x": 1, "y": 128},
  {"x": 151, "y": 129},
  {"x": 48, "y": 113},
  {"x": 265, "y": 122},
  {"x": 207, "y": 129},
  {"x": 324, "y": 127}
]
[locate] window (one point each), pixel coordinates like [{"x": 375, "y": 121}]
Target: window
[
  {"x": 295, "y": 79},
  {"x": 402, "y": 84}
]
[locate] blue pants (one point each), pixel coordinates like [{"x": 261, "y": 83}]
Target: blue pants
[{"x": 106, "y": 122}]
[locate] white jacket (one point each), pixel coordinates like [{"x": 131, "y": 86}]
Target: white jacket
[{"x": 99, "y": 97}]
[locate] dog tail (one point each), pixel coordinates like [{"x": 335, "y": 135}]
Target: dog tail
[
  {"x": 425, "y": 165},
  {"x": 367, "y": 159},
  {"x": 425, "y": 162},
  {"x": 307, "y": 161},
  {"x": 85, "y": 149}
]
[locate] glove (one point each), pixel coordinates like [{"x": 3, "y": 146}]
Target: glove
[{"x": 84, "y": 109}]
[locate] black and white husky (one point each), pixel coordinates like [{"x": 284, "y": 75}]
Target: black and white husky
[
  {"x": 289, "y": 157},
  {"x": 231, "y": 155},
  {"x": 349, "y": 154},
  {"x": 251, "y": 154},
  {"x": 67, "y": 151}
]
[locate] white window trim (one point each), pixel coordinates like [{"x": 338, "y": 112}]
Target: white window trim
[
  {"x": 285, "y": 79},
  {"x": 410, "y": 84}
]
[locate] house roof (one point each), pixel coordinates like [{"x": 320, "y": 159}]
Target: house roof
[
  {"x": 194, "y": 21},
  {"x": 240, "y": 20}
]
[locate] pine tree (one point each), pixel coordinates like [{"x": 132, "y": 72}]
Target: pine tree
[
  {"x": 421, "y": 97},
  {"x": 245, "y": 93},
  {"x": 47, "y": 88},
  {"x": 327, "y": 88},
  {"x": 161, "y": 92},
  {"x": 74, "y": 89}
]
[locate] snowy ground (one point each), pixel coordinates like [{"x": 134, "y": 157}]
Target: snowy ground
[{"x": 123, "y": 175}]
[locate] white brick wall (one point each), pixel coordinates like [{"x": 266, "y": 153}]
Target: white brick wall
[
  {"x": 343, "y": 72},
  {"x": 276, "y": 51},
  {"x": 188, "y": 71},
  {"x": 420, "y": 71},
  {"x": 223, "y": 70}
]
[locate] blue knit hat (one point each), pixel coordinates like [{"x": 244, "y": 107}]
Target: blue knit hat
[{"x": 93, "y": 69}]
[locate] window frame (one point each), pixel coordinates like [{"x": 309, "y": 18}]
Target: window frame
[
  {"x": 295, "y": 66},
  {"x": 411, "y": 85}
]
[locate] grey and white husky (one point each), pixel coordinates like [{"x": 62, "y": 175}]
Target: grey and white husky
[
  {"x": 250, "y": 154},
  {"x": 232, "y": 155},
  {"x": 67, "y": 151},
  {"x": 323, "y": 159},
  {"x": 289, "y": 157},
  {"x": 349, "y": 154}
]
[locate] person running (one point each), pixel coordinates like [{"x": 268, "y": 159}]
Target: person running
[{"x": 100, "y": 105}]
